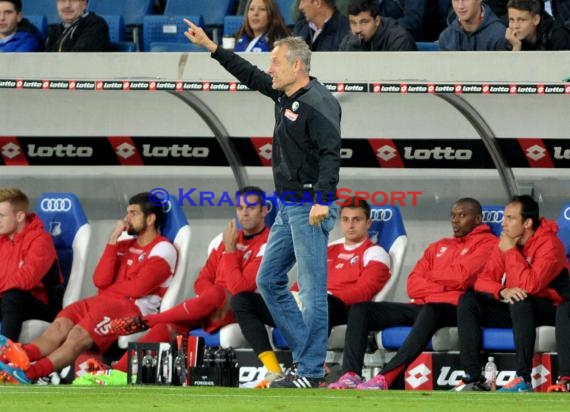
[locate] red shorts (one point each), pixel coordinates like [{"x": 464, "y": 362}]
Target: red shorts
[{"x": 94, "y": 314}]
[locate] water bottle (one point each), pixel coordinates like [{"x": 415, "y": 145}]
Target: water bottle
[
  {"x": 148, "y": 368},
  {"x": 220, "y": 365},
  {"x": 165, "y": 367},
  {"x": 182, "y": 376},
  {"x": 208, "y": 360},
  {"x": 134, "y": 366},
  {"x": 177, "y": 371},
  {"x": 490, "y": 373},
  {"x": 233, "y": 368}
]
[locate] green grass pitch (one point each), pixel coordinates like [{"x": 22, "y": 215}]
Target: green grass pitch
[{"x": 153, "y": 398}]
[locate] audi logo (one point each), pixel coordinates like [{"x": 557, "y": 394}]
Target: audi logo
[
  {"x": 567, "y": 213},
  {"x": 167, "y": 206},
  {"x": 55, "y": 205},
  {"x": 269, "y": 205},
  {"x": 493, "y": 216},
  {"x": 381, "y": 215}
]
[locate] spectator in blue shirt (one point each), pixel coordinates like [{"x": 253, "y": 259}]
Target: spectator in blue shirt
[
  {"x": 263, "y": 25},
  {"x": 16, "y": 33}
]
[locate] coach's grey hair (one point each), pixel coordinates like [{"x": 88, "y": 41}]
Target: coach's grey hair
[{"x": 298, "y": 49}]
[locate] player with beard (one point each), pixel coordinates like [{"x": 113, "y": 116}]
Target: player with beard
[{"x": 132, "y": 277}]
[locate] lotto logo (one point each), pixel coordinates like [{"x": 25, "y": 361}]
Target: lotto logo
[
  {"x": 535, "y": 152},
  {"x": 418, "y": 375}
]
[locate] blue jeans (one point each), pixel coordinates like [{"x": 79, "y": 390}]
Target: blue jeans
[{"x": 292, "y": 239}]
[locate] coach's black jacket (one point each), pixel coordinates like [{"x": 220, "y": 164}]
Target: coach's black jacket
[{"x": 306, "y": 137}]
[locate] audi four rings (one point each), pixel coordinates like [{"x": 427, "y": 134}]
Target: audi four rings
[
  {"x": 493, "y": 216},
  {"x": 56, "y": 205},
  {"x": 382, "y": 215}
]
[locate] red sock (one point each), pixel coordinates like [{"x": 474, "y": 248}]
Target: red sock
[
  {"x": 33, "y": 351},
  {"x": 191, "y": 311},
  {"x": 41, "y": 368},
  {"x": 391, "y": 375},
  {"x": 122, "y": 363}
]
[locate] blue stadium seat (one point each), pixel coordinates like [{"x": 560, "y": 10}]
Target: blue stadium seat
[
  {"x": 40, "y": 22},
  {"x": 388, "y": 231},
  {"x": 63, "y": 216},
  {"x": 564, "y": 227},
  {"x": 286, "y": 8},
  {"x": 392, "y": 338},
  {"x": 176, "y": 229},
  {"x": 133, "y": 11},
  {"x": 45, "y": 8},
  {"x": 493, "y": 215},
  {"x": 213, "y": 11},
  {"x": 116, "y": 27},
  {"x": 278, "y": 340},
  {"x": 232, "y": 24},
  {"x": 427, "y": 45},
  {"x": 168, "y": 29}
]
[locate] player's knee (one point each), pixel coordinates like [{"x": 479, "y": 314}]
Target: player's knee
[{"x": 79, "y": 338}]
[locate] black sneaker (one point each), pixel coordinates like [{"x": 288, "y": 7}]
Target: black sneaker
[
  {"x": 477, "y": 386},
  {"x": 296, "y": 381}
]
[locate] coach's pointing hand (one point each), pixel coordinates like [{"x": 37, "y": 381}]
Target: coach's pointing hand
[{"x": 197, "y": 36}]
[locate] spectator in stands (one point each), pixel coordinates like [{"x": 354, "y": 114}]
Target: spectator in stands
[
  {"x": 306, "y": 163},
  {"x": 322, "y": 25},
  {"x": 446, "y": 270},
  {"x": 370, "y": 32},
  {"x": 80, "y": 30},
  {"x": 357, "y": 270},
  {"x": 530, "y": 28},
  {"x": 231, "y": 268},
  {"x": 132, "y": 277},
  {"x": 262, "y": 26},
  {"x": 518, "y": 288},
  {"x": 31, "y": 286},
  {"x": 16, "y": 33},
  {"x": 473, "y": 27}
]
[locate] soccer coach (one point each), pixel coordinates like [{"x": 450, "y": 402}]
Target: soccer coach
[{"x": 306, "y": 162}]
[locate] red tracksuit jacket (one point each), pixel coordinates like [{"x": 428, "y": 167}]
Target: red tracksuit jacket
[
  {"x": 449, "y": 267},
  {"x": 532, "y": 267},
  {"x": 27, "y": 258}
]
